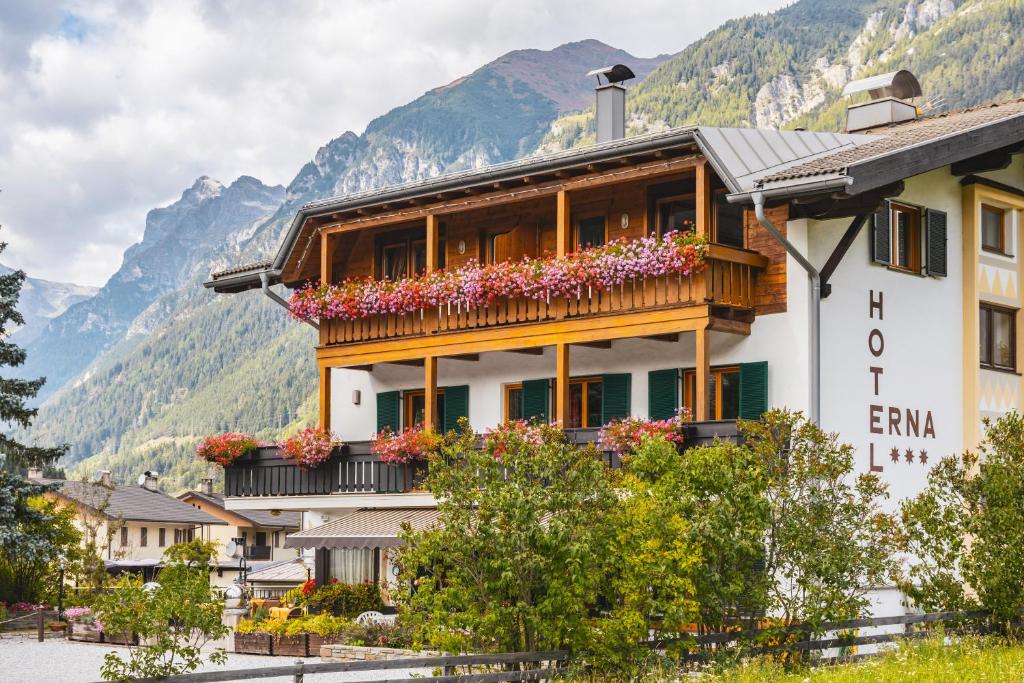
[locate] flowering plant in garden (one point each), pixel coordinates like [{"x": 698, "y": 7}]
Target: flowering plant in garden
[
  {"x": 26, "y": 607},
  {"x": 413, "y": 443},
  {"x": 497, "y": 440},
  {"x": 622, "y": 436},
  {"x": 310, "y": 447},
  {"x": 476, "y": 285},
  {"x": 224, "y": 449}
]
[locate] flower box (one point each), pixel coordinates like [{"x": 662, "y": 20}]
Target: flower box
[
  {"x": 119, "y": 638},
  {"x": 254, "y": 644},
  {"x": 317, "y": 641},
  {"x": 292, "y": 646},
  {"x": 85, "y": 632}
]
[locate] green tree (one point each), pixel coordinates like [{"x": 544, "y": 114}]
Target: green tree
[
  {"x": 513, "y": 563},
  {"x": 174, "y": 620},
  {"x": 828, "y": 538},
  {"x": 965, "y": 527}
]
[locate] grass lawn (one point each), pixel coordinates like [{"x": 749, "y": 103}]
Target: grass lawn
[{"x": 971, "y": 659}]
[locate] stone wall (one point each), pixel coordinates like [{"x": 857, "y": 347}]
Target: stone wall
[{"x": 357, "y": 653}]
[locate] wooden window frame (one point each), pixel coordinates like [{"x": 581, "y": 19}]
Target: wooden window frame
[
  {"x": 715, "y": 195},
  {"x": 407, "y": 397},
  {"x": 408, "y": 240},
  {"x": 658, "y": 231},
  {"x": 506, "y": 402},
  {"x": 996, "y": 308},
  {"x": 161, "y": 537},
  {"x": 124, "y": 536},
  {"x": 1001, "y": 247},
  {"x": 585, "y": 216},
  {"x": 916, "y": 244},
  {"x": 689, "y": 381},
  {"x": 583, "y": 382}
]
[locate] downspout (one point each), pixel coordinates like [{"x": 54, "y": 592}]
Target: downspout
[
  {"x": 814, "y": 280},
  {"x": 277, "y": 298}
]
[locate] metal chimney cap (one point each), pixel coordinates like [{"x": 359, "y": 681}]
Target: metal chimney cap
[
  {"x": 613, "y": 74},
  {"x": 900, "y": 84}
]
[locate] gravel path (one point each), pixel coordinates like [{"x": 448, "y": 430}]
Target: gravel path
[{"x": 58, "y": 660}]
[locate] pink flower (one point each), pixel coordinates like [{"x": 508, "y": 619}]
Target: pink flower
[
  {"x": 414, "y": 443},
  {"x": 310, "y": 447},
  {"x": 622, "y": 436}
]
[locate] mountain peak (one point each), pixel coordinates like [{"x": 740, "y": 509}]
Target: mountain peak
[{"x": 203, "y": 188}]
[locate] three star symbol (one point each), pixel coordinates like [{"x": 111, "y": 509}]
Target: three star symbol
[{"x": 908, "y": 455}]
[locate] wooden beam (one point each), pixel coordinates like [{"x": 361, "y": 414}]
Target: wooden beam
[
  {"x": 433, "y": 241},
  {"x": 562, "y": 382},
  {"x": 563, "y": 228},
  {"x": 601, "y": 344},
  {"x": 472, "y": 357},
  {"x": 411, "y": 362},
  {"x": 703, "y": 372},
  {"x": 732, "y": 326},
  {"x": 836, "y": 257},
  {"x": 671, "y": 337},
  {"x": 704, "y": 200},
  {"x": 611, "y": 177},
  {"x": 430, "y": 393},
  {"x": 513, "y": 337},
  {"x": 364, "y": 368},
  {"x": 532, "y": 351},
  {"x": 995, "y": 160},
  {"x": 325, "y": 398}
]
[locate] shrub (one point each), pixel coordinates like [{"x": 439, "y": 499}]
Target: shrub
[
  {"x": 344, "y": 599},
  {"x": 224, "y": 449}
]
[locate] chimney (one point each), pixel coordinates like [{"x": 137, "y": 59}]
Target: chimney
[
  {"x": 149, "y": 480},
  {"x": 887, "y": 105},
  {"x": 35, "y": 473},
  {"x": 103, "y": 478},
  {"x": 206, "y": 486},
  {"x": 611, "y": 101}
]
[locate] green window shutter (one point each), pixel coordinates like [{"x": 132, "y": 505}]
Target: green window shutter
[
  {"x": 456, "y": 405},
  {"x": 616, "y": 394},
  {"x": 662, "y": 394},
  {"x": 388, "y": 409},
  {"x": 935, "y": 241},
  {"x": 881, "y": 236},
  {"x": 753, "y": 390},
  {"x": 536, "y": 396}
]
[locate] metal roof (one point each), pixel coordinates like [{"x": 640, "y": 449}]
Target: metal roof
[
  {"x": 284, "y": 519},
  {"x": 364, "y": 528},
  {"x": 287, "y": 571},
  {"x": 132, "y": 503}
]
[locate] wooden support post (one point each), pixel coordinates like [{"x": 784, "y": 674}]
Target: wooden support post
[
  {"x": 703, "y": 373},
  {"x": 326, "y": 258},
  {"x": 563, "y": 227},
  {"x": 430, "y": 393},
  {"x": 433, "y": 242},
  {"x": 325, "y": 397},
  {"x": 704, "y": 200},
  {"x": 562, "y": 383}
]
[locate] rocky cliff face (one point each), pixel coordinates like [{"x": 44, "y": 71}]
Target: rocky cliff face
[{"x": 41, "y": 301}]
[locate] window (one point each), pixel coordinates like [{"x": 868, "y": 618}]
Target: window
[
  {"x": 678, "y": 212},
  {"x": 190, "y": 535},
  {"x": 161, "y": 537},
  {"x": 499, "y": 246},
  {"x": 998, "y": 337},
  {"x": 590, "y": 232},
  {"x": 400, "y": 257},
  {"x": 177, "y": 536},
  {"x": 261, "y": 538},
  {"x": 124, "y": 536},
  {"x": 906, "y": 237},
  {"x": 586, "y": 398},
  {"x": 415, "y": 404},
  {"x": 143, "y": 537},
  {"x": 993, "y": 230},
  {"x": 353, "y": 565},
  {"x": 728, "y": 221},
  {"x": 723, "y": 393},
  {"x": 277, "y": 539},
  {"x": 514, "y": 402}
]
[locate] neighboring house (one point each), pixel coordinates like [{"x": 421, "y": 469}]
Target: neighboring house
[
  {"x": 262, "y": 533},
  {"x": 909, "y": 226},
  {"x": 274, "y": 580},
  {"x": 132, "y": 525}
]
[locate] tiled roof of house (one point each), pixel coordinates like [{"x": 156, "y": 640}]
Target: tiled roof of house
[
  {"x": 283, "y": 520},
  {"x": 132, "y": 503},
  {"x": 245, "y": 268},
  {"x": 899, "y": 137}
]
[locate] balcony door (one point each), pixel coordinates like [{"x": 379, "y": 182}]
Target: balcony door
[{"x": 415, "y": 408}]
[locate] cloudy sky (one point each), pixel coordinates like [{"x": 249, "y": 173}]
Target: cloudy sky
[{"x": 108, "y": 109}]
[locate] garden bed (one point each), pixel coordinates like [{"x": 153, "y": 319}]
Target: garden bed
[
  {"x": 292, "y": 646},
  {"x": 254, "y": 643},
  {"x": 86, "y": 633}
]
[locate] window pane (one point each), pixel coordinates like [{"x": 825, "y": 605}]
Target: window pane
[
  {"x": 419, "y": 258},
  {"x": 730, "y": 395},
  {"x": 418, "y": 410},
  {"x": 985, "y": 323},
  {"x": 728, "y": 222},
  {"x": 679, "y": 215},
  {"x": 394, "y": 262},
  {"x": 595, "y": 400},
  {"x": 591, "y": 232},
  {"x": 712, "y": 398},
  {"x": 439, "y": 414},
  {"x": 575, "y": 406},
  {"x": 351, "y": 565},
  {"x": 261, "y": 538},
  {"x": 1002, "y": 338},
  {"x": 903, "y": 239},
  {"x": 514, "y": 410},
  {"x": 991, "y": 228}
]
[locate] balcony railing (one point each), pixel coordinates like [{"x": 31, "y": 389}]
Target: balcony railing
[
  {"x": 258, "y": 552},
  {"x": 729, "y": 281},
  {"x": 353, "y": 469}
]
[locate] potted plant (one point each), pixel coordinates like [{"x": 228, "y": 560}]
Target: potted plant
[
  {"x": 251, "y": 640},
  {"x": 224, "y": 449},
  {"x": 293, "y": 640},
  {"x": 309, "y": 448},
  {"x": 56, "y": 626},
  {"x": 84, "y": 625}
]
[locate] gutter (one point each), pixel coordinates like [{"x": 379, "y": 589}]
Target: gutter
[
  {"x": 814, "y": 280},
  {"x": 277, "y": 298}
]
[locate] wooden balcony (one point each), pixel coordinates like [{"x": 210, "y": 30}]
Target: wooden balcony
[
  {"x": 729, "y": 281},
  {"x": 353, "y": 469}
]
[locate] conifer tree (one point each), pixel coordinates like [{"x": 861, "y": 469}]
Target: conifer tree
[{"x": 15, "y": 393}]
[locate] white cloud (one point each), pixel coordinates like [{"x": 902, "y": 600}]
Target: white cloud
[{"x": 112, "y": 108}]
